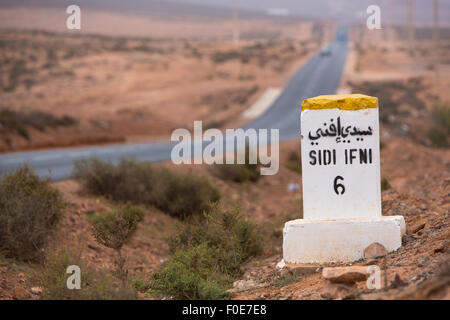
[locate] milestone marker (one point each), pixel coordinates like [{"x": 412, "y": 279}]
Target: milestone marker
[
  {"x": 341, "y": 183},
  {"x": 340, "y": 157}
]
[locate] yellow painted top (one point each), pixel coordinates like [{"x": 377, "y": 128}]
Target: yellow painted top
[{"x": 340, "y": 101}]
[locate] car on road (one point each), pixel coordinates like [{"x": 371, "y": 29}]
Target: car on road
[{"x": 325, "y": 52}]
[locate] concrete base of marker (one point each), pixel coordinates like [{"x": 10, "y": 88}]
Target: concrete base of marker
[{"x": 341, "y": 240}]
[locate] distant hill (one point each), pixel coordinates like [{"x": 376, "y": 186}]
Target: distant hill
[
  {"x": 145, "y": 18},
  {"x": 393, "y": 12},
  {"x": 140, "y": 7}
]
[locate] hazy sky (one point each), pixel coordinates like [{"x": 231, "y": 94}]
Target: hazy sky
[{"x": 394, "y": 10}]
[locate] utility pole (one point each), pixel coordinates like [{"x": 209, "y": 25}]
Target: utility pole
[
  {"x": 386, "y": 23},
  {"x": 436, "y": 37},
  {"x": 411, "y": 22},
  {"x": 436, "y": 23},
  {"x": 235, "y": 23}
]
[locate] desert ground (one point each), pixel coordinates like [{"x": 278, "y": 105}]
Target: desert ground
[
  {"x": 97, "y": 86},
  {"x": 120, "y": 89}
]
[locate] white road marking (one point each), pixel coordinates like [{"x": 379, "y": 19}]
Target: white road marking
[{"x": 263, "y": 103}]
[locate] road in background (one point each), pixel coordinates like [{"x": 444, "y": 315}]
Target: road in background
[{"x": 320, "y": 75}]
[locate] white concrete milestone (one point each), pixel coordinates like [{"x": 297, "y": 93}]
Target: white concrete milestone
[
  {"x": 341, "y": 240},
  {"x": 341, "y": 183}
]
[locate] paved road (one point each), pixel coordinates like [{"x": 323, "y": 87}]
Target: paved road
[{"x": 320, "y": 75}]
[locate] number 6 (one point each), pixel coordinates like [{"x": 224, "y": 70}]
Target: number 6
[{"x": 338, "y": 185}]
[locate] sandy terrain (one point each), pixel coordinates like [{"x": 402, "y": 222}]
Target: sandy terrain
[
  {"x": 134, "y": 97},
  {"x": 135, "y": 89},
  {"x": 420, "y": 180},
  {"x": 154, "y": 25}
]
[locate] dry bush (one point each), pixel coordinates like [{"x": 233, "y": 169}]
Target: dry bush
[
  {"x": 29, "y": 213},
  {"x": 385, "y": 185},
  {"x": 294, "y": 161},
  {"x": 207, "y": 255},
  {"x": 439, "y": 133},
  {"x": 183, "y": 195},
  {"x": 11, "y": 122},
  {"x": 239, "y": 172},
  {"x": 114, "y": 228},
  {"x": 392, "y": 95},
  {"x": 224, "y": 56},
  {"x": 128, "y": 181},
  {"x": 95, "y": 285},
  {"x": 16, "y": 71},
  {"x": 190, "y": 274},
  {"x": 179, "y": 195},
  {"x": 18, "y": 122}
]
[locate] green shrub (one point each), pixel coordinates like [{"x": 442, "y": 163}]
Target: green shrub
[
  {"x": 179, "y": 195},
  {"x": 441, "y": 115},
  {"x": 392, "y": 95},
  {"x": 239, "y": 172},
  {"x": 16, "y": 71},
  {"x": 95, "y": 285},
  {"x": 224, "y": 56},
  {"x": 11, "y": 122},
  {"x": 439, "y": 133},
  {"x": 183, "y": 195},
  {"x": 141, "y": 285},
  {"x": 438, "y": 137},
  {"x": 294, "y": 162},
  {"x": 19, "y": 122},
  {"x": 190, "y": 274},
  {"x": 29, "y": 213},
  {"x": 287, "y": 280},
  {"x": 207, "y": 255},
  {"x": 385, "y": 185},
  {"x": 98, "y": 177},
  {"x": 114, "y": 228},
  {"x": 237, "y": 238},
  {"x": 41, "y": 120}
]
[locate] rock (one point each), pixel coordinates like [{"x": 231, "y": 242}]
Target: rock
[
  {"x": 370, "y": 262},
  {"x": 93, "y": 247},
  {"x": 375, "y": 250},
  {"x": 439, "y": 248},
  {"x": 338, "y": 291},
  {"x": 398, "y": 282},
  {"x": 298, "y": 269},
  {"x": 423, "y": 206},
  {"x": 345, "y": 274},
  {"x": 417, "y": 227},
  {"x": 416, "y": 278},
  {"x": 424, "y": 262},
  {"x": 304, "y": 270},
  {"x": 36, "y": 290},
  {"x": 281, "y": 264},
  {"x": 21, "y": 294},
  {"x": 245, "y": 285}
]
